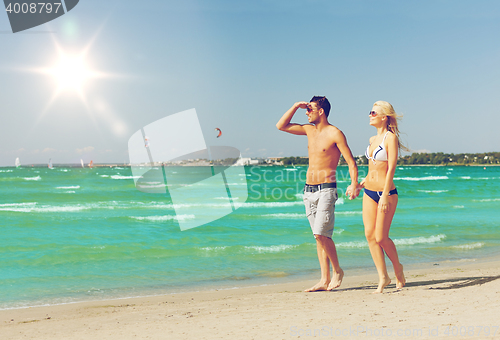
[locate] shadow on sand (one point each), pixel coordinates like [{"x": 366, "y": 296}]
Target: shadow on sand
[{"x": 451, "y": 283}]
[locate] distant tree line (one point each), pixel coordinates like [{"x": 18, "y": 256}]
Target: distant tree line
[
  {"x": 295, "y": 160},
  {"x": 434, "y": 158},
  {"x": 440, "y": 158}
]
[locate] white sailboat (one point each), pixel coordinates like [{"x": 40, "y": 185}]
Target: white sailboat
[
  {"x": 81, "y": 161},
  {"x": 18, "y": 162}
]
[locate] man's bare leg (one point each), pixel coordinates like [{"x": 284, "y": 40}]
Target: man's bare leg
[
  {"x": 331, "y": 252},
  {"x": 324, "y": 264}
]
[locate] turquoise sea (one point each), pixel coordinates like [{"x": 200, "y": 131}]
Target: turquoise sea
[{"x": 78, "y": 234}]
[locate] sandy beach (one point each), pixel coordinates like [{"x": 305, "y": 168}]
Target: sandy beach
[{"x": 440, "y": 300}]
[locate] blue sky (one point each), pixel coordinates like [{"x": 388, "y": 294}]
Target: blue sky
[{"x": 242, "y": 64}]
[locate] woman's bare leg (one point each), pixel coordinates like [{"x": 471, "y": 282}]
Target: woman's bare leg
[
  {"x": 383, "y": 225},
  {"x": 370, "y": 212}
]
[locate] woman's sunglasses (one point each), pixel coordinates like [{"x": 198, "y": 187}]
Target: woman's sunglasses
[{"x": 373, "y": 114}]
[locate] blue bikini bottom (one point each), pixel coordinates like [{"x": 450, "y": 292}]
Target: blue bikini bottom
[{"x": 375, "y": 195}]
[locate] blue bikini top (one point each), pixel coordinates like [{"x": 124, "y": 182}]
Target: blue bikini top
[{"x": 380, "y": 153}]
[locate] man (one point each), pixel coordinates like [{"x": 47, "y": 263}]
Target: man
[{"x": 325, "y": 145}]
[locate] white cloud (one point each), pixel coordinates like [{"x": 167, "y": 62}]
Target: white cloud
[
  {"x": 48, "y": 150},
  {"x": 85, "y": 150}
]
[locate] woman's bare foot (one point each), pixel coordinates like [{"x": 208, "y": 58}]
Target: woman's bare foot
[
  {"x": 337, "y": 280},
  {"x": 400, "y": 278},
  {"x": 320, "y": 286},
  {"x": 381, "y": 285}
]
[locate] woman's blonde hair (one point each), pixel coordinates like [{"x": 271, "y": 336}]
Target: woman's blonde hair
[{"x": 392, "y": 121}]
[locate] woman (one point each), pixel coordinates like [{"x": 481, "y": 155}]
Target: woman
[{"x": 381, "y": 197}]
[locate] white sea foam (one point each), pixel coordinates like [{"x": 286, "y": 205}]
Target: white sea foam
[
  {"x": 458, "y": 206},
  {"x": 419, "y": 240},
  {"x": 17, "y": 207},
  {"x": 353, "y": 244},
  {"x": 214, "y": 248},
  {"x": 13, "y": 209},
  {"x": 427, "y": 178},
  {"x": 59, "y": 209},
  {"x": 124, "y": 177},
  {"x": 402, "y": 241},
  {"x": 142, "y": 186},
  {"x": 37, "y": 178},
  {"x": 469, "y": 246},
  {"x": 33, "y": 207},
  {"x": 488, "y": 200},
  {"x": 69, "y": 187},
  {"x": 465, "y": 177},
  {"x": 285, "y": 216},
  {"x": 270, "y": 249},
  {"x": 433, "y": 191},
  {"x": 163, "y": 218},
  {"x": 348, "y": 212},
  {"x": 6, "y": 170},
  {"x": 271, "y": 204},
  {"x": 243, "y": 204}
]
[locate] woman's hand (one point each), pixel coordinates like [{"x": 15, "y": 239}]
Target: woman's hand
[
  {"x": 383, "y": 204},
  {"x": 352, "y": 192},
  {"x": 362, "y": 184}
]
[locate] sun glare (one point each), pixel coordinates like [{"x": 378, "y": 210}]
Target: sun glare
[{"x": 71, "y": 73}]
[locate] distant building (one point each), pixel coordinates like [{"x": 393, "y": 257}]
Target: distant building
[
  {"x": 248, "y": 161},
  {"x": 274, "y": 160}
]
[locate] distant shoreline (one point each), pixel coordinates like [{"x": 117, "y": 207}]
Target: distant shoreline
[{"x": 115, "y": 165}]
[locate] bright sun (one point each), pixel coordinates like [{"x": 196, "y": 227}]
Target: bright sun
[{"x": 71, "y": 73}]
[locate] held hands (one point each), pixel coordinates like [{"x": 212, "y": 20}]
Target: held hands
[{"x": 353, "y": 190}]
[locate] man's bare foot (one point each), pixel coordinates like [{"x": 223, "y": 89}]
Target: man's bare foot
[
  {"x": 400, "y": 278},
  {"x": 337, "y": 280},
  {"x": 318, "y": 287},
  {"x": 381, "y": 285}
]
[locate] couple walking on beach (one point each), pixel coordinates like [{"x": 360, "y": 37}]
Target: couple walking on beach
[{"x": 326, "y": 144}]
